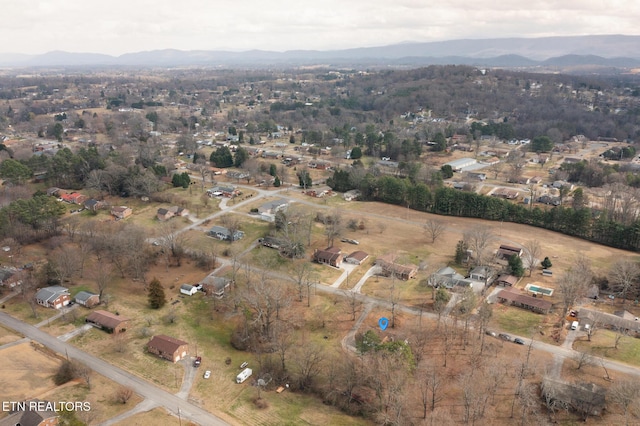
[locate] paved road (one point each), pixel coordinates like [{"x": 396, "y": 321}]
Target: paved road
[{"x": 152, "y": 393}]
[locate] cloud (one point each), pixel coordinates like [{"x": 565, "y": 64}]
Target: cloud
[{"x": 121, "y": 26}]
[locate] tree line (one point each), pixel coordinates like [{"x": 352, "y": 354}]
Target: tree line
[{"x": 580, "y": 222}]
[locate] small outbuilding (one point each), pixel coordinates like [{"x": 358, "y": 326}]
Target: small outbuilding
[{"x": 188, "y": 289}]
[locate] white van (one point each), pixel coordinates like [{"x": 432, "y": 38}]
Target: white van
[
  {"x": 244, "y": 375},
  {"x": 574, "y": 325}
]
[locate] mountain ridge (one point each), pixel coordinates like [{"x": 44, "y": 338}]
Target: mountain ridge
[{"x": 601, "y": 50}]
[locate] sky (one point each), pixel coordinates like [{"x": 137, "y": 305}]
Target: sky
[{"x": 115, "y": 27}]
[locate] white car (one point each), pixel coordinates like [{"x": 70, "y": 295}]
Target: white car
[{"x": 207, "y": 374}]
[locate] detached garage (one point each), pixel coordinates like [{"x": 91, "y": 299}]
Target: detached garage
[{"x": 188, "y": 289}]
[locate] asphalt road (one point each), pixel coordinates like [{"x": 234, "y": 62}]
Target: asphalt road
[{"x": 171, "y": 402}]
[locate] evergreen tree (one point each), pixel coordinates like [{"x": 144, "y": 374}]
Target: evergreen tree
[
  {"x": 440, "y": 142},
  {"x": 546, "y": 263},
  {"x": 221, "y": 157},
  {"x": 515, "y": 266},
  {"x": 277, "y": 182},
  {"x": 447, "y": 171},
  {"x": 356, "y": 153},
  {"x": 240, "y": 157},
  {"x": 273, "y": 170},
  {"x": 461, "y": 252},
  {"x": 157, "y": 298},
  {"x": 304, "y": 178}
]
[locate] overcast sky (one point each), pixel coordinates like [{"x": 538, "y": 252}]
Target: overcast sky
[{"x": 120, "y": 26}]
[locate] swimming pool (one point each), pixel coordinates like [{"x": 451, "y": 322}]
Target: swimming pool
[{"x": 539, "y": 290}]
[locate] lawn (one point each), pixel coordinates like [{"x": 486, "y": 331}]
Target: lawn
[
  {"x": 517, "y": 321},
  {"x": 603, "y": 344}
]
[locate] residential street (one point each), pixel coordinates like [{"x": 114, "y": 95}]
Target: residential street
[{"x": 149, "y": 391}]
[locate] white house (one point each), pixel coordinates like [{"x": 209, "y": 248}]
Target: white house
[{"x": 188, "y": 289}]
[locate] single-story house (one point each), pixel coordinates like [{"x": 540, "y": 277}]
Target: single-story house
[
  {"x": 449, "y": 278},
  {"x": 167, "y": 347},
  {"x": 330, "y": 256},
  {"x": 107, "y": 321},
  {"x": 268, "y": 210},
  {"x": 73, "y": 198},
  {"x": 535, "y": 304},
  {"x": 120, "y": 212},
  {"x": 223, "y": 191},
  {"x": 188, "y": 289},
  {"x": 319, "y": 164},
  {"x": 94, "y": 205},
  {"x": 390, "y": 267},
  {"x": 32, "y": 414},
  {"x": 587, "y": 399},
  {"x": 10, "y": 277},
  {"x": 215, "y": 286},
  {"x": 506, "y": 193},
  {"x": 273, "y": 155},
  {"x": 507, "y": 280},
  {"x": 352, "y": 195},
  {"x": 481, "y": 273},
  {"x": 271, "y": 242},
  {"x": 477, "y": 176},
  {"x": 222, "y": 233},
  {"x": 622, "y": 321},
  {"x": 87, "y": 299},
  {"x": 505, "y": 252},
  {"x": 164, "y": 214},
  {"x": 273, "y": 206},
  {"x": 356, "y": 258},
  {"x": 54, "y": 297},
  {"x": 179, "y": 211},
  {"x": 53, "y": 191}
]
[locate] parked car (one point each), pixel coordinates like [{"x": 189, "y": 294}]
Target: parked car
[
  {"x": 518, "y": 340},
  {"x": 504, "y": 337},
  {"x": 197, "y": 361},
  {"x": 490, "y": 333},
  {"x": 350, "y": 241},
  {"x": 573, "y": 313},
  {"x": 207, "y": 374}
]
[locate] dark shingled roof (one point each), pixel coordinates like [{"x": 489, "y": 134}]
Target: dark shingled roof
[
  {"x": 106, "y": 319},
  {"x": 165, "y": 344}
]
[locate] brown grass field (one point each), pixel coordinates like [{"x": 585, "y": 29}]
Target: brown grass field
[{"x": 207, "y": 324}]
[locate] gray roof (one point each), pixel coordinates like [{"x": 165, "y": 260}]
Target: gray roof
[
  {"x": 187, "y": 287},
  {"x": 83, "y": 296},
  {"x": 48, "y": 294}
]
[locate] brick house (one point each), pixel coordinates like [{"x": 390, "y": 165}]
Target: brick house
[
  {"x": 121, "y": 212},
  {"x": 330, "y": 256},
  {"x": 54, "y": 297},
  {"x": 167, "y": 347},
  {"x": 107, "y": 321}
]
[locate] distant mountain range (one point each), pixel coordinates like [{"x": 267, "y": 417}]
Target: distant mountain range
[{"x": 614, "y": 51}]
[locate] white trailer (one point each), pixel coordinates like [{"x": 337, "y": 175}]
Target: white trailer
[{"x": 244, "y": 375}]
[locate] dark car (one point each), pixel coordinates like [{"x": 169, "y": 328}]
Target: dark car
[
  {"x": 504, "y": 337},
  {"x": 197, "y": 361},
  {"x": 518, "y": 340}
]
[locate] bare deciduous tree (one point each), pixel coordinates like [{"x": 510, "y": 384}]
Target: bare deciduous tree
[
  {"x": 574, "y": 283},
  {"x": 532, "y": 252},
  {"x": 123, "y": 394},
  {"x": 624, "y": 275},
  {"x": 478, "y": 239},
  {"x": 434, "y": 229},
  {"x": 626, "y": 394}
]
